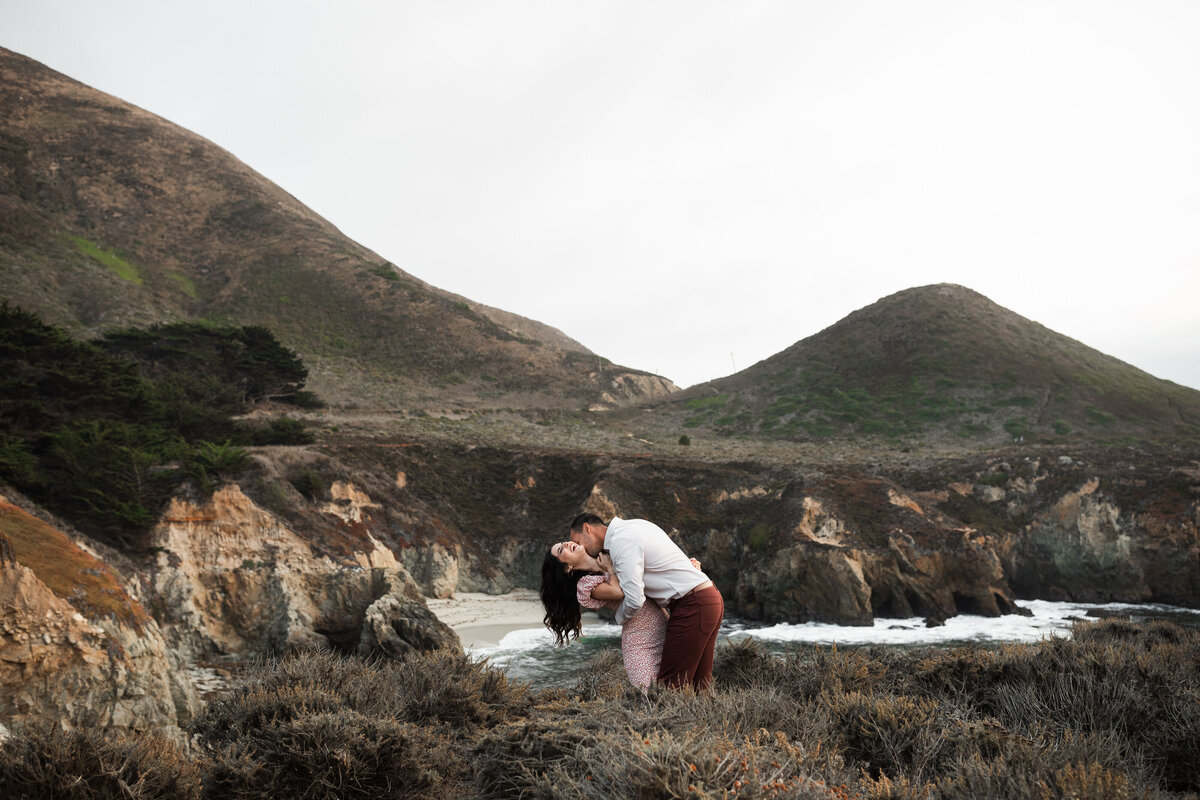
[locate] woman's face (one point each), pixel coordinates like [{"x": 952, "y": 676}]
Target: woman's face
[{"x": 570, "y": 554}]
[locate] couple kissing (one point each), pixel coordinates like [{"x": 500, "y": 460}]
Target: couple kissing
[{"x": 668, "y": 609}]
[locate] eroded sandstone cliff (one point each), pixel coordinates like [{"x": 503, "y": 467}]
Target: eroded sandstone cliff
[
  {"x": 227, "y": 581},
  {"x": 109, "y": 669},
  {"x": 337, "y": 546}
]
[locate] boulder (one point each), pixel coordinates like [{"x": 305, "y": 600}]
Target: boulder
[{"x": 399, "y": 622}]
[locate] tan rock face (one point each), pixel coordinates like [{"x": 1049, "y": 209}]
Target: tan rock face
[
  {"x": 818, "y": 525},
  {"x": 348, "y": 502},
  {"x": 235, "y": 579},
  {"x": 57, "y": 666},
  {"x": 623, "y": 387}
]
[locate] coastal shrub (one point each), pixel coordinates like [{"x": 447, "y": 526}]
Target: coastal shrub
[
  {"x": 47, "y": 762},
  {"x": 687, "y": 765},
  {"x": 803, "y": 674},
  {"x": 425, "y": 688},
  {"x": 1116, "y": 693},
  {"x": 208, "y": 464},
  {"x": 103, "y": 434},
  {"x": 629, "y": 747},
  {"x": 232, "y": 718},
  {"x": 1025, "y": 776},
  {"x": 338, "y": 755},
  {"x": 350, "y": 726},
  {"x": 248, "y": 360},
  {"x": 281, "y": 430},
  {"x": 603, "y": 679},
  {"x": 308, "y": 482},
  {"x": 890, "y": 735},
  {"x": 1043, "y": 720}
]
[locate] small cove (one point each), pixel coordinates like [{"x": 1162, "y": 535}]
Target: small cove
[{"x": 530, "y": 654}]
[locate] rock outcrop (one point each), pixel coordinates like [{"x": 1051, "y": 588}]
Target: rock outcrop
[
  {"x": 1096, "y": 529},
  {"x": 399, "y": 622},
  {"x": 841, "y": 545},
  {"x": 228, "y": 581},
  {"x": 110, "y": 669},
  {"x": 235, "y": 580},
  {"x": 843, "y": 550},
  {"x": 261, "y": 567}
]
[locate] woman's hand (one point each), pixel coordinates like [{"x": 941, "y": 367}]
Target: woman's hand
[
  {"x": 695, "y": 562},
  {"x": 610, "y": 590}
]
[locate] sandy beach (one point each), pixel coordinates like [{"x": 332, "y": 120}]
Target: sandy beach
[{"x": 482, "y": 620}]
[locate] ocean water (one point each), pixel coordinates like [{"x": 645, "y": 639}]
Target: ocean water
[{"x": 531, "y": 655}]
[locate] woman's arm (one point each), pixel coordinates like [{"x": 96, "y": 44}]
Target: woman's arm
[{"x": 610, "y": 590}]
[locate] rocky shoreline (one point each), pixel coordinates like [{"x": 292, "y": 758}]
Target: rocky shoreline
[{"x": 377, "y": 555}]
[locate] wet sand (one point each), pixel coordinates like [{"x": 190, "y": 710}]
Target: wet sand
[{"x": 482, "y": 620}]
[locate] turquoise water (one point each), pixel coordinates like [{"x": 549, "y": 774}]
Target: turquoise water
[{"x": 530, "y": 655}]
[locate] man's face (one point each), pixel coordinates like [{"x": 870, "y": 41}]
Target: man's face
[{"x": 587, "y": 538}]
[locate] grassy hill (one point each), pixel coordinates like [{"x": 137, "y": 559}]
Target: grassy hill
[
  {"x": 112, "y": 217},
  {"x": 940, "y": 361}
]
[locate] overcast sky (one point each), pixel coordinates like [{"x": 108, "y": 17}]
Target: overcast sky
[{"x": 690, "y": 187}]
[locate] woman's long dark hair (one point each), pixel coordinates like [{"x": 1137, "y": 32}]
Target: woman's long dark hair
[{"x": 558, "y": 591}]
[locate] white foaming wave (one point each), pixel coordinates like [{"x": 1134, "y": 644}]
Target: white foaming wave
[
  {"x": 1047, "y": 619},
  {"x": 526, "y": 639}
]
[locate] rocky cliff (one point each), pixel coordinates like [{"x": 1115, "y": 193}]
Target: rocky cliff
[
  {"x": 75, "y": 647},
  {"x": 1094, "y": 526},
  {"x": 808, "y": 542},
  {"x": 336, "y": 546},
  {"x": 227, "y": 581},
  {"x": 234, "y": 580}
]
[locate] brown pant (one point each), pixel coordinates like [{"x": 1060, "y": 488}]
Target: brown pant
[{"x": 687, "y": 654}]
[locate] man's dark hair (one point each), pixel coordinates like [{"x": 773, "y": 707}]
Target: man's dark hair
[{"x": 585, "y": 519}]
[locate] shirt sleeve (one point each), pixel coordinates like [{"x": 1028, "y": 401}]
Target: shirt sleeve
[
  {"x": 629, "y": 561},
  {"x": 584, "y": 590}
]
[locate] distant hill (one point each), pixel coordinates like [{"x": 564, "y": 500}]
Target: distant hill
[
  {"x": 111, "y": 216},
  {"x": 940, "y": 361}
]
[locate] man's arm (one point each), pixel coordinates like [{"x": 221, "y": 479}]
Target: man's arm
[{"x": 629, "y": 561}]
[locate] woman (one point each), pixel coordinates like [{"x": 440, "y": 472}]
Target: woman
[{"x": 572, "y": 580}]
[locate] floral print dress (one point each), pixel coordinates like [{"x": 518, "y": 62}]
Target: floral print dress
[{"x": 641, "y": 637}]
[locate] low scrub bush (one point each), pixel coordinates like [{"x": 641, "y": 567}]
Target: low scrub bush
[
  {"x": 1112, "y": 713},
  {"x": 436, "y": 688},
  {"x": 337, "y": 755},
  {"x": 38, "y": 763}
]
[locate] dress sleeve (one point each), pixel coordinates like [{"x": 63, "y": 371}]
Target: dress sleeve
[{"x": 584, "y": 590}]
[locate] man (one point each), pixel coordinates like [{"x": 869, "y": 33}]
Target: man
[{"x": 650, "y": 566}]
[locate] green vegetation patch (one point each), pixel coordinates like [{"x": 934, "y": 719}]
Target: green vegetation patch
[
  {"x": 1017, "y": 428},
  {"x": 185, "y": 284},
  {"x": 1098, "y": 417},
  {"x": 109, "y": 259},
  {"x": 385, "y": 271},
  {"x": 103, "y": 433},
  {"x": 760, "y": 536},
  {"x": 706, "y": 403}
]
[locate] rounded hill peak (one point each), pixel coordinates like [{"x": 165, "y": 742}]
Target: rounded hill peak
[{"x": 943, "y": 358}]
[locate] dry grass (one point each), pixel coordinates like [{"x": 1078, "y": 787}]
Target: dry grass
[
  {"x": 67, "y": 570},
  {"x": 47, "y": 764},
  {"x": 1113, "y": 713}
]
